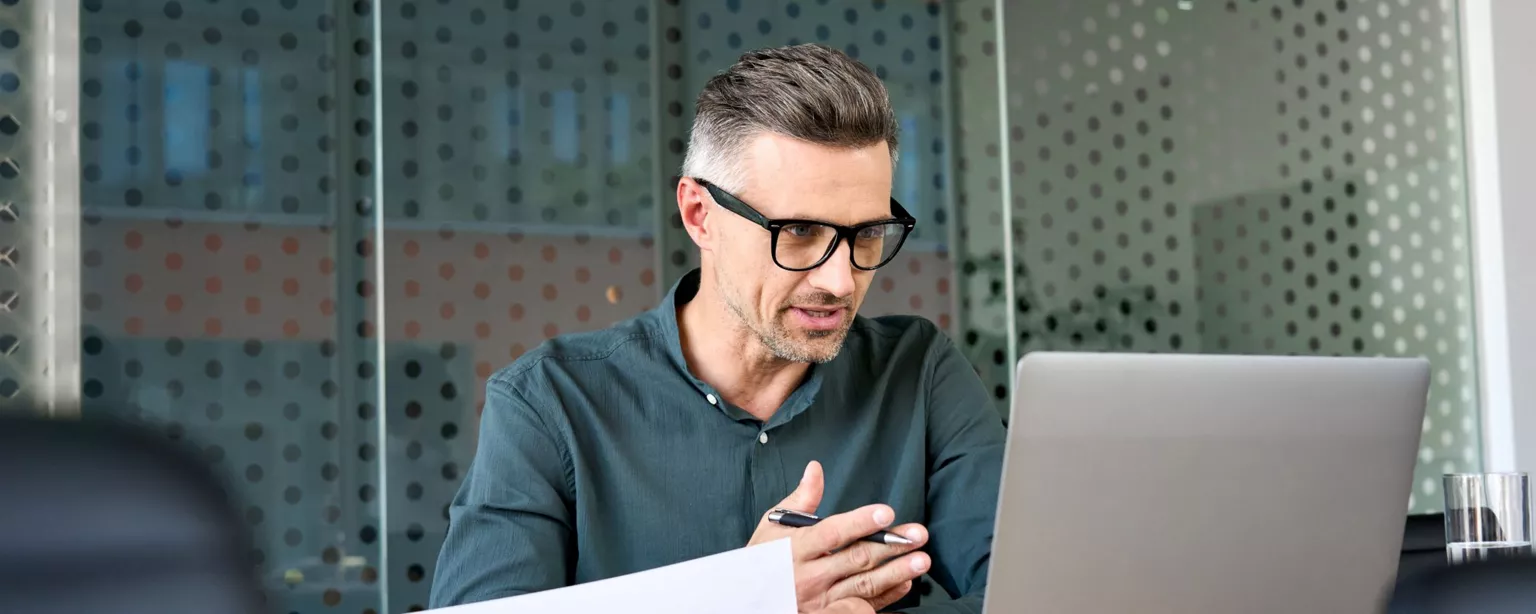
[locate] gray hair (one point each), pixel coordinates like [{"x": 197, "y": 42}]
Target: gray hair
[{"x": 809, "y": 92}]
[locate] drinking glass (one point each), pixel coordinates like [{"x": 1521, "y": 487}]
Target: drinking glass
[{"x": 1487, "y": 516}]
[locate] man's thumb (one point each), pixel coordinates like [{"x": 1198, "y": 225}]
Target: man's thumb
[{"x": 807, "y": 496}]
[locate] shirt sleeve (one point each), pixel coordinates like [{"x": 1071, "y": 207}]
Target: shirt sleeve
[
  {"x": 510, "y": 528},
  {"x": 965, "y": 447}
]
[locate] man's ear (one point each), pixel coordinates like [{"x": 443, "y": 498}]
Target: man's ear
[{"x": 694, "y": 205}]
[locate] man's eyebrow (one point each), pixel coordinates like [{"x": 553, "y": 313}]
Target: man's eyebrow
[{"x": 812, "y": 218}]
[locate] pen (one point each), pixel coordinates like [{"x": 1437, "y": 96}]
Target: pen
[{"x": 791, "y": 518}]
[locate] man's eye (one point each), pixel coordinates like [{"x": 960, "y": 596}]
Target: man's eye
[{"x": 800, "y": 230}]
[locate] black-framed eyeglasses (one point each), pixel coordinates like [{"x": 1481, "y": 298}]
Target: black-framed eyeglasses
[{"x": 802, "y": 245}]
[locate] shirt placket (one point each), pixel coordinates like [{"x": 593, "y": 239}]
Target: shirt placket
[{"x": 765, "y": 462}]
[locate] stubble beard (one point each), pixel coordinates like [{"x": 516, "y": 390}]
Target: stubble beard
[{"x": 820, "y": 347}]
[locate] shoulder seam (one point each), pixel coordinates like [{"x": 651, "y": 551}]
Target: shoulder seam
[{"x": 506, "y": 375}]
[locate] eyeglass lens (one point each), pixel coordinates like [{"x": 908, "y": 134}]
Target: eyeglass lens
[{"x": 803, "y": 245}]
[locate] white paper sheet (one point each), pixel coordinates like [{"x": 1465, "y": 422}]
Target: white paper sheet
[{"x": 755, "y": 580}]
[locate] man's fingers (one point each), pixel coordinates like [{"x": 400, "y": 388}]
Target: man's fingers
[
  {"x": 862, "y": 556},
  {"x": 875, "y": 583},
  {"x": 889, "y": 597},
  {"x": 835, "y": 532},
  {"x": 807, "y": 495},
  {"x": 848, "y": 606}
]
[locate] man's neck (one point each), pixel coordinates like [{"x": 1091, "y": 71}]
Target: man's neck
[{"x": 731, "y": 358}]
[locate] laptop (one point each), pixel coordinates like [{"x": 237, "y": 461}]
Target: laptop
[{"x": 1205, "y": 484}]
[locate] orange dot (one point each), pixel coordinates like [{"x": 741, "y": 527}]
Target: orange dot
[
  {"x": 482, "y": 251},
  {"x": 647, "y": 277},
  {"x": 614, "y": 255},
  {"x": 482, "y": 369},
  {"x": 213, "y": 242},
  {"x": 412, "y": 329},
  {"x": 482, "y": 291},
  {"x": 516, "y": 311},
  {"x": 446, "y": 310},
  {"x": 944, "y": 321},
  {"x": 133, "y": 239},
  {"x": 583, "y": 313},
  {"x": 548, "y": 253},
  {"x": 583, "y": 275},
  {"x": 412, "y": 288},
  {"x": 412, "y": 248},
  {"x": 916, "y": 301},
  {"x": 133, "y": 283},
  {"x": 213, "y": 285},
  {"x": 445, "y": 270},
  {"x": 887, "y": 284},
  {"x": 291, "y": 286},
  {"x": 515, "y": 273},
  {"x": 291, "y": 328},
  {"x": 212, "y": 327},
  {"x": 943, "y": 285},
  {"x": 483, "y": 330},
  {"x": 290, "y": 246},
  {"x": 327, "y": 307},
  {"x": 173, "y": 261},
  {"x": 914, "y": 265},
  {"x": 252, "y": 305},
  {"x": 550, "y": 292},
  {"x": 517, "y": 350},
  {"x": 327, "y": 265},
  {"x": 173, "y": 303},
  {"x": 550, "y": 330},
  {"x": 252, "y": 263},
  {"x": 615, "y": 294},
  {"x": 134, "y": 325}
]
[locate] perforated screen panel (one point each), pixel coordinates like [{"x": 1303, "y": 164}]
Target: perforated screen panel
[
  {"x": 1247, "y": 177},
  {"x": 20, "y": 342},
  {"x": 227, "y": 265}
]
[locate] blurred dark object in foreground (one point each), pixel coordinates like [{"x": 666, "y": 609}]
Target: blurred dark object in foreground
[
  {"x": 1423, "y": 545},
  {"x": 99, "y": 517},
  {"x": 1493, "y": 587}
]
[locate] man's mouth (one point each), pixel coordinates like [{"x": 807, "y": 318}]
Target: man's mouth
[{"x": 819, "y": 317}]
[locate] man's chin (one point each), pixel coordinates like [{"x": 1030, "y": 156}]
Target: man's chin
[{"x": 822, "y": 345}]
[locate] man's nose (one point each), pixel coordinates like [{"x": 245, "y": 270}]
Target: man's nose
[{"x": 836, "y": 274}]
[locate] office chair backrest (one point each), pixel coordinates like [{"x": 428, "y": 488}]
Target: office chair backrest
[{"x": 97, "y": 517}]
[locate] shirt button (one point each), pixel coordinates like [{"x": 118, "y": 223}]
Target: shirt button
[
  {"x": 710, "y": 398},
  {"x": 762, "y": 437}
]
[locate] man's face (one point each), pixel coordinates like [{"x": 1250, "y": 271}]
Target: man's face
[{"x": 801, "y": 316}]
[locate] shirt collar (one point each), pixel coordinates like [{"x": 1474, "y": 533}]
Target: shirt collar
[{"x": 666, "y": 315}]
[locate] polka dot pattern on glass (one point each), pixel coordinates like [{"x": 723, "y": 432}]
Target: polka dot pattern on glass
[{"x": 1307, "y": 199}]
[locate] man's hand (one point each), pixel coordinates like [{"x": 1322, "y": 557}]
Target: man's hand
[
  {"x": 850, "y": 605},
  {"x": 833, "y": 566}
]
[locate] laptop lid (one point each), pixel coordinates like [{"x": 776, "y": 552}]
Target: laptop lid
[{"x": 1186, "y": 484}]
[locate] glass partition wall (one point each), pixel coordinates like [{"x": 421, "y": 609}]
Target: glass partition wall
[{"x": 308, "y": 231}]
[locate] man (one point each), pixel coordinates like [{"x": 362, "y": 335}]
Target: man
[{"x": 670, "y": 436}]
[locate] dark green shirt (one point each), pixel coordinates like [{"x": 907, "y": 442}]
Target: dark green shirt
[{"x": 600, "y": 455}]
